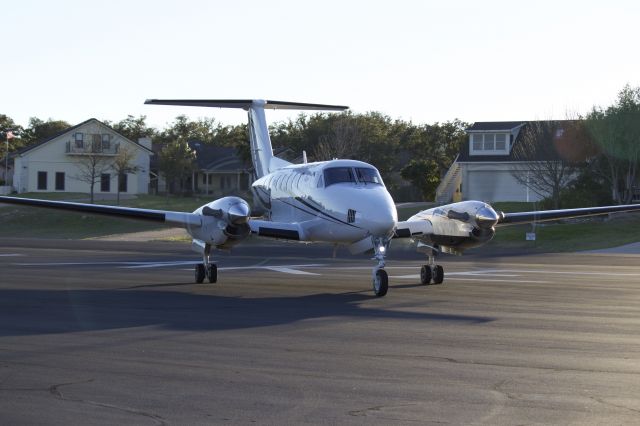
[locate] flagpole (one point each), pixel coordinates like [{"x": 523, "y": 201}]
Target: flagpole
[{"x": 6, "y": 163}]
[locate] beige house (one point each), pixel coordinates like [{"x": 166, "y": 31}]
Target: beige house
[{"x": 56, "y": 164}]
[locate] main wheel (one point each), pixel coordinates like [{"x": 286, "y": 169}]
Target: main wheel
[
  {"x": 200, "y": 273},
  {"x": 425, "y": 274},
  {"x": 438, "y": 274},
  {"x": 380, "y": 283},
  {"x": 212, "y": 273}
]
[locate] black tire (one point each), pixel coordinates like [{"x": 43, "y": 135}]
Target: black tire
[
  {"x": 438, "y": 274},
  {"x": 212, "y": 273},
  {"x": 200, "y": 273},
  {"x": 425, "y": 274},
  {"x": 381, "y": 283}
]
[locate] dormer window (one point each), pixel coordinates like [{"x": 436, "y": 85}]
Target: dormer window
[{"x": 489, "y": 144}]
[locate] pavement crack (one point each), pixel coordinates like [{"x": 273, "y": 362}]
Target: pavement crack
[
  {"x": 55, "y": 390},
  {"x": 611, "y": 404}
]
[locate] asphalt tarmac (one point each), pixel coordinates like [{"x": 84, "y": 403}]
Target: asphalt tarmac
[{"x": 105, "y": 333}]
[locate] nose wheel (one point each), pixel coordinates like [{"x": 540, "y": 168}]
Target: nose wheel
[
  {"x": 380, "y": 282},
  {"x": 380, "y": 277}
]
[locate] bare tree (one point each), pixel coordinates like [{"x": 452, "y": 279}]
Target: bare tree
[
  {"x": 547, "y": 153},
  {"x": 92, "y": 163},
  {"x": 343, "y": 141},
  {"x": 122, "y": 165}
]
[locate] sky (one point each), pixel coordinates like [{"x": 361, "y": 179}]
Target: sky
[{"x": 423, "y": 61}]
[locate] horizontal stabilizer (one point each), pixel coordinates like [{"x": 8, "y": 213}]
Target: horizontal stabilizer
[{"x": 246, "y": 104}]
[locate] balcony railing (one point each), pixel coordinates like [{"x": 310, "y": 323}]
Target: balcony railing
[{"x": 87, "y": 148}]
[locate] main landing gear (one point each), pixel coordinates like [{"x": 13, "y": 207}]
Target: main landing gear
[
  {"x": 432, "y": 273},
  {"x": 380, "y": 277},
  {"x": 206, "y": 269}
]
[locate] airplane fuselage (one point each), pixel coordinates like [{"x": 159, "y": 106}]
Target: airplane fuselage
[{"x": 338, "y": 201}]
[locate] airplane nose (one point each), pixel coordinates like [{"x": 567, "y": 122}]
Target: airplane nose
[
  {"x": 238, "y": 214},
  {"x": 486, "y": 217},
  {"x": 382, "y": 220}
]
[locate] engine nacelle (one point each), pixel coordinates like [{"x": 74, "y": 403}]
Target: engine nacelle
[{"x": 224, "y": 222}]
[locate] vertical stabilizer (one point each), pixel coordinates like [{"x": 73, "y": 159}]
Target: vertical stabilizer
[{"x": 262, "y": 156}]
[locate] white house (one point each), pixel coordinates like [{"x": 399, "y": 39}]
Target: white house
[
  {"x": 485, "y": 165},
  {"x": 55, "y": 164}
]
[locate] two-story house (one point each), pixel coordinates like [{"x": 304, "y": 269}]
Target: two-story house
[
  {"x": 484, "y": 169},
  {"x": 58, "y": 163}
]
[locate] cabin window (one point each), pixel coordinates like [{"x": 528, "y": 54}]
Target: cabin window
[
  {"x": 338, "y": 175},
  {"x": 368, "y": 175}
]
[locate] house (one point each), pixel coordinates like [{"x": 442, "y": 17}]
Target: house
[
  {"x": 57, "y": 164},
  {"x": 219, "y": 170},
  {"x": 484, "y": 169}
]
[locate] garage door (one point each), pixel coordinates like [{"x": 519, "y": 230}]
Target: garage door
[{"x": 491, "y": 186}]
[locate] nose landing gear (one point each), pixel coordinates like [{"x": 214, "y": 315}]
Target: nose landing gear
[
  {"x": 380, "y": 277},
  {"x": 206, "y": 268}
]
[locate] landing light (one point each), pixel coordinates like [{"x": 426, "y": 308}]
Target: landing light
[{"x": 382, "y": 249}]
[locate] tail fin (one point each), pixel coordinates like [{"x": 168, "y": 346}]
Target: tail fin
[{"x": 262, "y": 156}]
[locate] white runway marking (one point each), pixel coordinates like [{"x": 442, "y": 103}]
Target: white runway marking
[
  {"x": 11, "y": 255},
  {"x": 289, "y": 270}
]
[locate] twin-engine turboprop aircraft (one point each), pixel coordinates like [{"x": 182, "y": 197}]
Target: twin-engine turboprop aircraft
[{"x": 343, "y": 202}]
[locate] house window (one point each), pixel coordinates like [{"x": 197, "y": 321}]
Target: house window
[
  {"x": 106, "y": 142},
  {"x": 79, "y": 138},
  {"x": 59, "y": 181},
  {"x": 122, "y": 182},
  {"x": 477, "y": 142},
  {"x": 489, "y": 143},
  {"x": 96, "y": 143},
  {"x": 105, "y": 182},
  {"x": 42, "y": 181}
]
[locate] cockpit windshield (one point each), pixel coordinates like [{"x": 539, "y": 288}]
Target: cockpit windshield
[
  {"x": 338, "y": 175},
  {"x": 368, "y": 175},
  {"x": 361, "y": 175}
]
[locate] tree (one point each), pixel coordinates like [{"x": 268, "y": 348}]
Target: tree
[
  {"x": 123, "y": 164},
  {"x": 92, "y": 164},
  {"x": 547, "y": 154},
  {"x": 39, "y": 130},
  {"x": 616, "y": 131},
  {"x": 342, "y": 141},
  {"x": 133, "y": 128},
  {"x": 424, "y": 174},
  {"x": 176, "y": 163}
]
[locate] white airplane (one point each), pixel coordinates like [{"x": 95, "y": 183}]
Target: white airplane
[
  {"x": 343, "y": 202},
  {"x": 454, "y": 228}
]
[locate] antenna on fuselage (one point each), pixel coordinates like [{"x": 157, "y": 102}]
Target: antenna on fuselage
[{"x": 264, "y": 161}]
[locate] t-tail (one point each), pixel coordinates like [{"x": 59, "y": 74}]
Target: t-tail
[{"x": 264, "y": 162}]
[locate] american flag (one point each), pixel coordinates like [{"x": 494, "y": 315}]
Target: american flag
[{"x": 10, "y": 135}]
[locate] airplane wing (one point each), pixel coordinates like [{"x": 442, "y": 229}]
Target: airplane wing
[
  {"x": 548, "y": 215},
  {"x": 413, "y": 228},
  {"x": 170, "y": 217}
]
